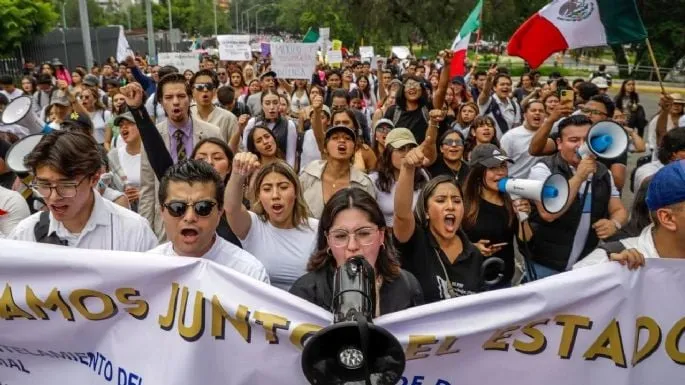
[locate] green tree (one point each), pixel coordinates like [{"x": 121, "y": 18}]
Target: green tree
[{"x": 23, "y": 20}]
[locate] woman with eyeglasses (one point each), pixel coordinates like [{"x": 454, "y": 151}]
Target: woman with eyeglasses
[
  {"x": 278, "y": 229},
  {"x": 352, "y": 225},
  {"x": 490, "y": 219},
  {"x": 282, "y": 128},
  {"x": 381, "y": 129},
  {"x": 450, "y": 160},
  {"x": 97, "y": 112},
  {"x": 430, "y": 240},
  {"x": 482, "y": 132},
  {"x": 397, "y": 144}
]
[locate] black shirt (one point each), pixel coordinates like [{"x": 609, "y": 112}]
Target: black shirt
[
  {"x": 441, "y": 168},
  {"x": 399, "y": 294},
  {"x": 420, "y": 254},
  {"x": 415, "y": 121},
  {"x": 493, "y": 224},
  {"x": 224, "y": 230}
]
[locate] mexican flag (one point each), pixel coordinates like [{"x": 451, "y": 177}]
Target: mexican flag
[
  {"x": 569, "y": 24},
  {"x": 461, "y": 43}
]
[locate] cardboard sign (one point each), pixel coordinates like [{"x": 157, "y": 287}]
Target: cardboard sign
[
  {"x": 181, "y": 60},
  {"x": 293, "y": 60},
  {"x": 335, "y": 57},
  {"x": 402, "y": 52},
  {"x": 366, "y": 52},
  {"x": 234, "y": 47}
]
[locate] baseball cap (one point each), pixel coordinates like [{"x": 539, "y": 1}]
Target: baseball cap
[
  {"x": 61, "y": 100},
  {"x": 488, "y": 155},
  {"x": 125, "y": 116},
  {"x": 384, "y": 121},
  {"x": 458, "y": 80},
  {"x": 332, "y": 130},
  {"x": 667, "y": 186},
  {"x": 268, "y": 73},
  {"x": 600, "y": 82},
  {"x": 326, "y": 110},
  {"x": 90, "y": 80},
  {"x": 400, "y": 137}
]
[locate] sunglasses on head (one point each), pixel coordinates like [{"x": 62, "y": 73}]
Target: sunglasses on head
[
  {"x": 204, "y": 87},
  {"x": 178, "y": 209}
]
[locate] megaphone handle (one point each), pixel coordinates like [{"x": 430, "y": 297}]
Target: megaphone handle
[
  {"x": 363, "y": 326},
  {"x": 522, "y": 216}
]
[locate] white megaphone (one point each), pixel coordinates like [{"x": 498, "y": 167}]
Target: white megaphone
[
  {"x": 606, "y": 139},
  {"x": 20, "y": 112},
  {"x": 552, "y": 193},
  {"x": 18, "y": 152}
]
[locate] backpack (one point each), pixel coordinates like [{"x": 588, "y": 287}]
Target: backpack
[
  {"x": 641, "y": 161},
  {"x": 40, "y": 231}
]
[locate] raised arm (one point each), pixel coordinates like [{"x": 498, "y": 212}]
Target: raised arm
[
  {"x": 542, "y": 144},
  {"x": 439, "y": 95},
  {"x": 403, "y": 218},
  {"x": 317, "y": 127},
  {"x": 244, "y": 164},
  {"x": 487, "y": 88}
]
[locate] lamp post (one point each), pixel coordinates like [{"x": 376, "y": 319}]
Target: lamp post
[
  {"x": 85, "y": 33},
  {"x": 248, "y": 16},
  {"x": 171, "y": 24}
]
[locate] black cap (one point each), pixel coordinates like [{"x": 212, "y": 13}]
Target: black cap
[
  {"x": 488, "y": 155},
  {"x": 79, "y": 120},
  {"x": 458, "y": 80},
  {"x": 345, "y": 129},
  {"x": 268, "y": 73},
  {"x": 44, "y": 79}
]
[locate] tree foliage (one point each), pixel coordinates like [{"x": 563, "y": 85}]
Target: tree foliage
[{"x": 22, "y": 20}]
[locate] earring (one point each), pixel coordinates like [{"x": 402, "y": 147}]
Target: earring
[{"x": 328, "y": 251}]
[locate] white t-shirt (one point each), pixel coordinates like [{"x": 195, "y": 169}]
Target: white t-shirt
[
  {"x": 681, "y": 121},
  {"x": 645, "y": 171},
  {"x": 386, "y": 200},
  {"x": 131, "y": 165},
  {"x": 540, "y": 172},
  {"x": 515, "y": 143},
  {"x": 16, "y": 207},
  {"x": 15, "y": 94},
  {"x": 225, "y": 254},
  {"x": 291, "y": 144},
  {"x": 284, "y": 252},
  {"x": 310, "y": 150},
  {"x": 100, "y": 119},
  {"x": 153, "y": 111}
]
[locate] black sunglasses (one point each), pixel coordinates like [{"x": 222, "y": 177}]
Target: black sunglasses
[
  {"x": 204, "y": 87},
  {"x": 178, "y": 209}
]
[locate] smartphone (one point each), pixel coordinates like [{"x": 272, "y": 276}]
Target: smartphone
[
  {"x": 567, "y": 97},
  {"x": 499, "y": 244}
]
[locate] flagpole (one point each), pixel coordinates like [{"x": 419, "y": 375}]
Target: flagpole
[
  {"x": 654, "y": 63},
  {"x": 480, "y": 26}
]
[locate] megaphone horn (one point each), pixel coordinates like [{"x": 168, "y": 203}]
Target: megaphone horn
[
  {"x": 18, "y": 152},
  {"x": 552, "y": 193},
  {"x": 20, "y": 112},
  {"x": 606, "y": 140},
  {"x": 353, "y": 350}
]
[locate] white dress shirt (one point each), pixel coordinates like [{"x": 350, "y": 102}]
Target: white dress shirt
[
  {"x": 110, "y": 227},
  {"x": 226, "y": 254}
]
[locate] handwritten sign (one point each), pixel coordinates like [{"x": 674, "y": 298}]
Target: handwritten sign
[
  {"x": 324, "y": 36},
  {"x": 402, "y": 52},
  {"x": 366, "y": 52},
  {"x": 335, "y": 57},
  {"x": 181, "y": 60},
  {"x": 293, "y": 60},
  {"x": 234, "y": 47}
]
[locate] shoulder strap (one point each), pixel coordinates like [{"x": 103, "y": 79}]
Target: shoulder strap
[
  {"x": 396, "y": 115},
  {"x": 40, "y": 231}
]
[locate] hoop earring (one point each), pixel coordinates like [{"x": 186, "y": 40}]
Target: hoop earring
[{"x": 328, "y": 252}]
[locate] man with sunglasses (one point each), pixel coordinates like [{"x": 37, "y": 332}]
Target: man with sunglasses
[
  {"x": 66, "y": 166},
  {"x": 222, "y": 75},
  {"x": 191, "y": 196},
  {"x": 205, "y": 84}
]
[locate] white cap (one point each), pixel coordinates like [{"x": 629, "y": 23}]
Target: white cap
[{"x": 600, "y": 82}]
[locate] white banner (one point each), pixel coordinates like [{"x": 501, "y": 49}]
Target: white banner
[
  {"x": 402, "y": 52},
  {"x": 293, "y": 60},
  {"x": 77, "y": 317},
  {"x": 234, "y": 47},
  {"x": 181, "y": 60},
  {"x": 324, "y": 38}
]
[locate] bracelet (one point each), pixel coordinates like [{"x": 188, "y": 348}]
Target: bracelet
[{"x": 617, "y": 224}]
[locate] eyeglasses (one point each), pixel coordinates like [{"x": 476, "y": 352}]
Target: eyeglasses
[
  {"x": 412, "y": 84},
  {"x": 341, "y": 238},
  {"x": 453, "y": 142},
  {"x": 592, "y": 111},
  {"x": 64, "y": 190},
  {"x": 202, "y": 87},
  {"x": 383, "y": 129},
  {"x": 178, "y": 209},
  {"x": 221, "y": 73}
]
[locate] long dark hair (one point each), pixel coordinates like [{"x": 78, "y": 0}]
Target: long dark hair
[
  {"x": 252, "y": 147},
  {"x": 470, "y": 143},
  {"x": 387, "y": 264},
  {"x": 634, "y": 98},
  {"x": 401, "y": 100},
  {"x": 222, "y": 145},
  {"x": 421, "y": 209},
  {"x": 386, "y": 174},
  {"x": 639, "y": 214},
  {"x": 475, "y": 182},
  {"x": 367, "y": 91}
]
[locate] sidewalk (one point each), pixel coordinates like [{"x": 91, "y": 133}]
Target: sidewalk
[{"x": 645, "y": 86}]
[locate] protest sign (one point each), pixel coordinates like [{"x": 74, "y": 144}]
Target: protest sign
[
  {"x": 181, "y": 60},
  {"x": 335, "y": 57},
  {"x": 293, "y": 60},
  {"x": 266, "y": 49},
  {"x": 234, "y": 47},
  {"x": 82, "y": 317},
  {"x": 402, "y": 52},
  {"x": 324, "y": 37},
  {"x": 366, "y": 52}
]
